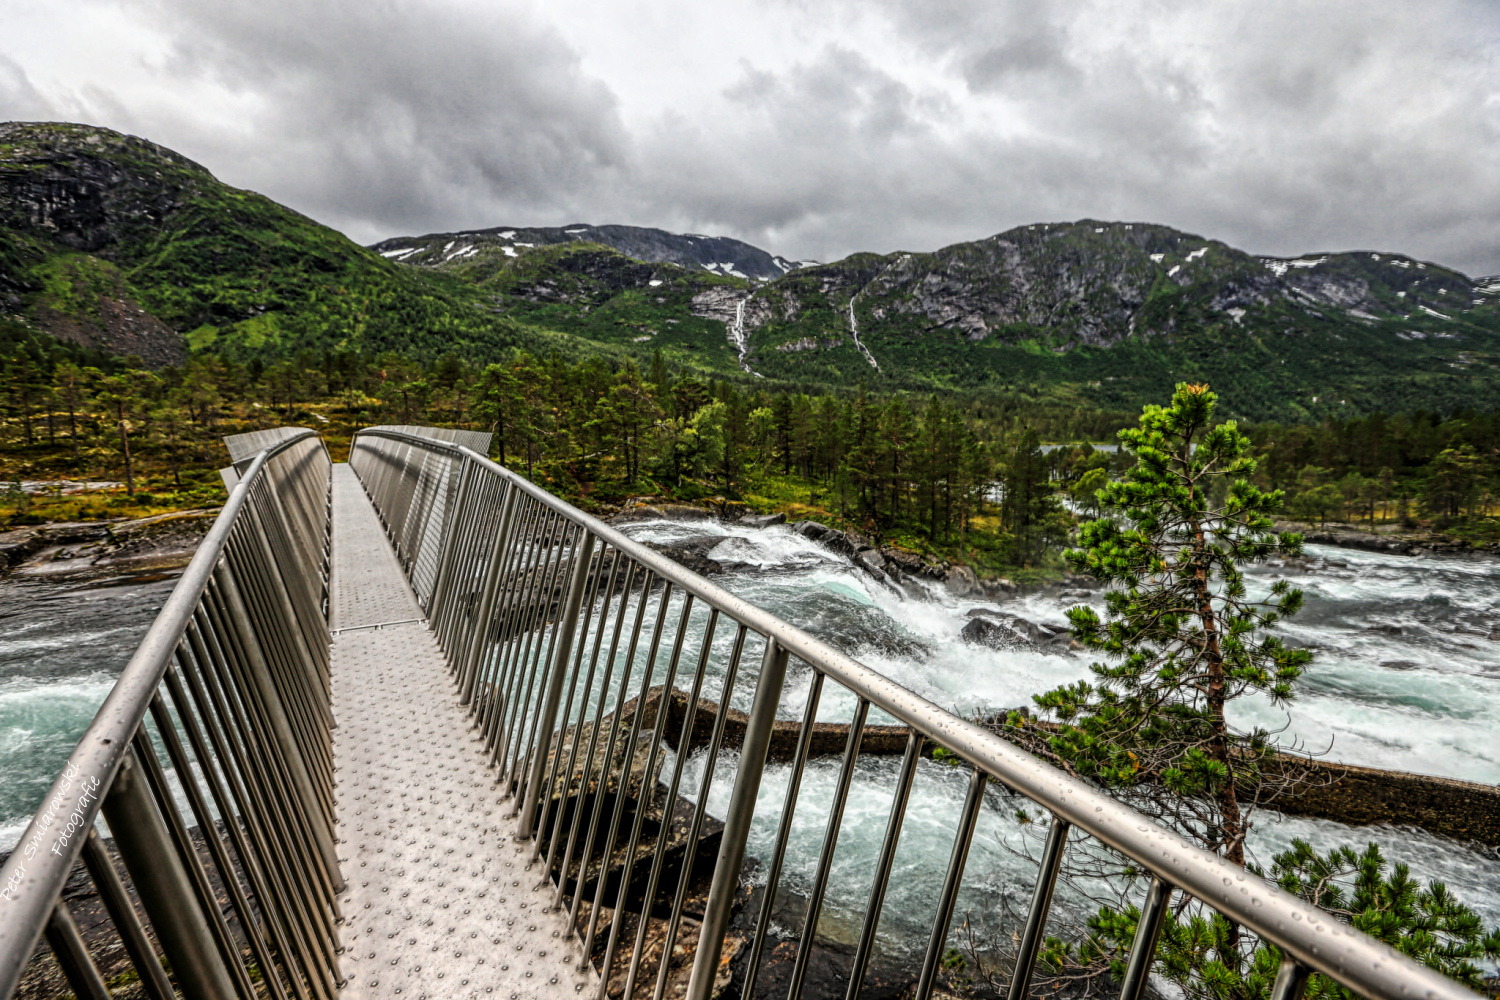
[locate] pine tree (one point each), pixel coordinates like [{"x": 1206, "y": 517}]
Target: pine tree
[
  {"x": 1029, "y": 504},
  {"x": 1181, "y": 638}
]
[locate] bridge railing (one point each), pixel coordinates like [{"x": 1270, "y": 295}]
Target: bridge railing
[
  {"x": 220, "y": 807},
  {"x": 562, "y": 632}
]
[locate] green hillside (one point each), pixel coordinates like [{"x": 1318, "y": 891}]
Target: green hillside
[{"x": 113, "y": 243}]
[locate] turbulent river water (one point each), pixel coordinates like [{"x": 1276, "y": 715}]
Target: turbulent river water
[{"x": 1404, "y": 676}]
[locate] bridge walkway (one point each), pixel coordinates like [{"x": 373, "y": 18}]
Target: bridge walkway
[{"x": 439, "y": 901}]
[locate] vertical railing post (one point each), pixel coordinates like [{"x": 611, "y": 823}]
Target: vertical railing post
[
  {"x": 72, "y": 954},
  {"x": 479, "y": 632},
  {"x": 281, "y": 728},
  {"x": 737, "y": 822},
  {"x": 163, "y": 886},
  {"x": 282, "y": 596},
  {"x": 1143, "y": 949},
  {"x": 567, "y": 624},
  {"x": 452, "y": 521},
  {"x": 1291, "y": 979},
  {"x": 1041, "y": 904}
]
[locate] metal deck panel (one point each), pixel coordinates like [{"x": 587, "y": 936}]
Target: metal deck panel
[{"x": 439, "y": 901}]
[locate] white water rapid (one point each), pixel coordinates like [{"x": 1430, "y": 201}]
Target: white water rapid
[
  {"x": 1425, "y": 698},
  {"x": 1404, "y": 676}
]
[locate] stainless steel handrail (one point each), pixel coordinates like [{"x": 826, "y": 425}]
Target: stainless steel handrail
[
  {"x": 495, "y": 530},
  {"x": 240, "y": 649}
]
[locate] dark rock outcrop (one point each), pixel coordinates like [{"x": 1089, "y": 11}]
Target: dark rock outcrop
[
  {"x": 692, "y": 553},
  {"x": 998, "y": 630},
  {"x": 87, "y": 549}
]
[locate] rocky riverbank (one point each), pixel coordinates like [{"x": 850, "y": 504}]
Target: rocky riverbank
[
  {"x": 1387, "y": 538},
  {"x": 94, "y": 549}
]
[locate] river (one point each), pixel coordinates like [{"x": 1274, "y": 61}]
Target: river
[{"x": 1404, "y": 676}]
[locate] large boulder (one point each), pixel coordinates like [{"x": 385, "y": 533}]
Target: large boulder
[
  {"x": 1030, "y": 632},
  {"x": 872, "y": 560},
  {"x": 692, "y": 553},
  {"x": 960, "y": 581},
  {"x": 762, "y": 520},
  {"x": 993, "y": 633},
  {"x": 812, "y": 530}
]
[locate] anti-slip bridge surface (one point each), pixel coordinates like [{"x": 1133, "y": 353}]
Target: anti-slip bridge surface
[{"x": 439, "y": 902}]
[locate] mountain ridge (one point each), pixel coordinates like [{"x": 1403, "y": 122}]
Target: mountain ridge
[
  {"x": 119, "y": 243},
  {"x": 716, "y": 254}
]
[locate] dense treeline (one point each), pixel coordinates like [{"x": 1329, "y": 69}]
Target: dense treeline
[
  {"x": 967, "y": 477},
  {"x": 1444, "y": 468}
]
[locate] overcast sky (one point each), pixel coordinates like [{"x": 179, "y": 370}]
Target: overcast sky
[{"x": 812, "y": 129}]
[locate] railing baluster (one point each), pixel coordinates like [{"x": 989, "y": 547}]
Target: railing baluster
[
  {"x": 627, "y": 767},
  {"x": 1041, "y": 904},
  {"x": 163, "y": 885},
  {"x": 883, "y": 865},
  {"x": 949, "y": 895},
  {"x": 73, "y": 955},
  {"x": 258, "y": 798},
  {"x": 588, "y": 766},
  {"x": 737, "y": 823},
  {"x": 272, "y": 908},
  {"x": 784, "y": 829},
  {"x": 1291, "y": 980},
  {"x": 684, "y": 741},
  {"x": 280, "y": 728},
  {"x": 644, "y": 798},
  {"x": 167, "y": 732},
  {"x": 479, "y": 626},
  {"x": 701, "y": 807},
  {"x": 1143, "y": 948},
  {"x": 549, "y": 787},
  {"x": 122, "y": 914},
  {"x": 830, "y": 844},
  {"x": 187, "y": 851},
  {"x": 567, "y": 624},
  {"x": 509, "y": 752},
  {"x": 518, "y": 629},
  {"x": 272, "y": 785}
]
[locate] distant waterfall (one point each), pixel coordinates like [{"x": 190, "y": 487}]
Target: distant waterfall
[{"x": 854, "y": 331}]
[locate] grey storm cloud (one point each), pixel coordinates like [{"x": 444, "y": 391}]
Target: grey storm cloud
[{"x": 818, "y": 130}]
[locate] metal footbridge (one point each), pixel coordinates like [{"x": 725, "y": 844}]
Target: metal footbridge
[{"x": 413, "y": 727}]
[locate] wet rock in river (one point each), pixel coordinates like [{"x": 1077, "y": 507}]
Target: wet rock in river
[
  {"x": 986, "y": 631},
  {"x": 1026, "y": 632},
  {"x": 762, "y": 520},
  {"x": 812, "y": 530},
  {"x": 692, "y": 553}
]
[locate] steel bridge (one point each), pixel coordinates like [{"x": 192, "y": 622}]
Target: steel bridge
[{"x": 413, "y": 727}]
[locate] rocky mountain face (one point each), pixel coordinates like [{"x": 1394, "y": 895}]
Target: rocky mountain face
[
  {"x": 714, "y": 254},
  {"x": 1094, "y": 283},
  {"x": 111, "y": 240},
  {"x": 104, "y": 196}
]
